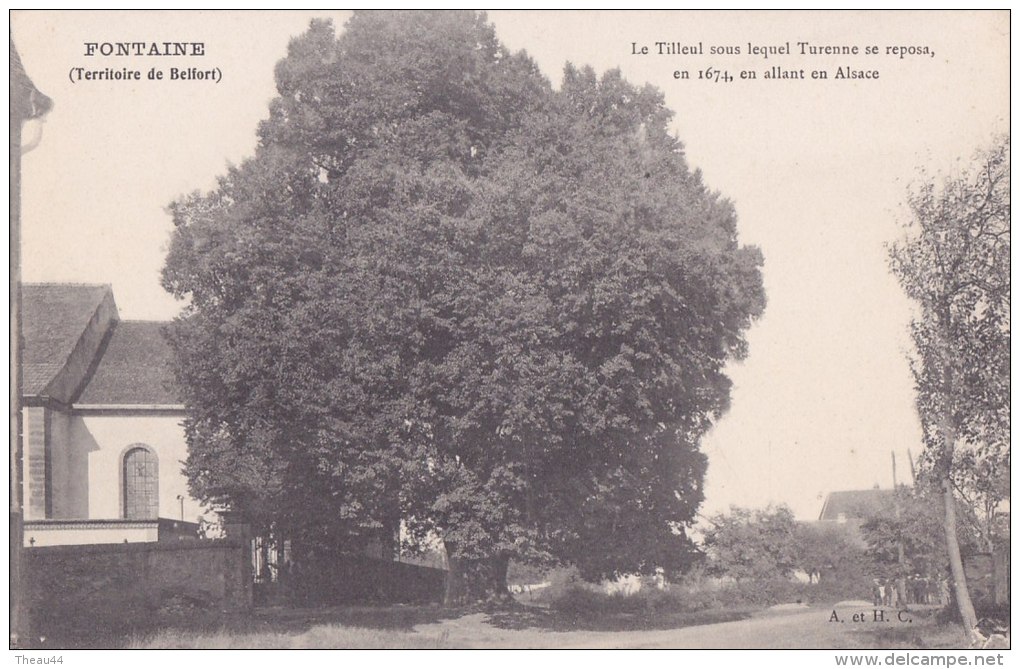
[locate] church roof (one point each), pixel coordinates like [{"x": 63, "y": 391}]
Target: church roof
[
  {"x": 78, "y": 351},
  {"x": 134, "y": 368},
  {"x": 54, "y": 317},
  {"x": 856, "y": 504}
]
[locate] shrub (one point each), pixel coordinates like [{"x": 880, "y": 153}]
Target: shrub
[
  {"x": 582, "y": 599},
  {"x": 781, "y": 591},
  {"x": 756, "y": 593}
]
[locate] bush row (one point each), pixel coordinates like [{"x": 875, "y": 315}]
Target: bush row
[{"x": 571, "y": 595}]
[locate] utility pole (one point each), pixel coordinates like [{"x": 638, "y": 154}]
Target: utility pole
[
  {"x": 896, "y": 502},
  {"x": 26, "y": 104},
  {"x": 901, "y": 581}
]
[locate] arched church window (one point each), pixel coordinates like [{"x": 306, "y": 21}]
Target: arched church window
[{"x": 141, "y": 484}]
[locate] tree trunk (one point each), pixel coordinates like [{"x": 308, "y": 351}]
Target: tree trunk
[
  {"x": 963, "y": 601},
  {"x": 947, "y": 435},
  {"x": 500, "y": 566},
  {"x": 456, "y": 589}
]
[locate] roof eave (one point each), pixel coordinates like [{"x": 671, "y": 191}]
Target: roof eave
[{"x": 176, "y": 408}]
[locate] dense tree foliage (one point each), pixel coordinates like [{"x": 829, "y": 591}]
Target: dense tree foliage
[
  {"x": 955, "y": 265},
  {"x": 909, "y": 537},
  {"x": 764, "y": 551},
  {"x": 444, "y": 294},
  {"x": 825, "y": 551},
  {"x": 752, "y": 544}
]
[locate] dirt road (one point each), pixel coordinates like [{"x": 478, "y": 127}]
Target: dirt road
[{"x": 798, "y": 628}]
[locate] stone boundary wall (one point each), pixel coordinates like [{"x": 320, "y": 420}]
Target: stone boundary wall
[{"x": 107, "y": 590}]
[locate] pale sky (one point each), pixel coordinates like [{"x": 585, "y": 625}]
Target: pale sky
[{"x": 818, "y": 172}]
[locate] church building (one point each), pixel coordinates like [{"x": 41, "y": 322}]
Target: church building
[{"x": 103, "y": 437}]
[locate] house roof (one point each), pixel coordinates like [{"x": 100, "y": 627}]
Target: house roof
[
  {"x": 133, "y": 368},
  {"x": 54, "y": 316},
  {"x": 856, "y": 504},
  {"x": 26, "y": 100}
]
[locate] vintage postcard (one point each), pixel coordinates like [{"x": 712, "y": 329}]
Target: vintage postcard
[{"x": 512, "y": 330}]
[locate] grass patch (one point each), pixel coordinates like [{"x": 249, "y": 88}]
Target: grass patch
[
  {"x": 270, "y": 627},
  {"x": 317, "y": 637},
  {"x": 578, "y": 606},
  {"x": 926, "y": 632},
  {"x": 648, "y": 619},
  {"x": 583, "y": 600}
]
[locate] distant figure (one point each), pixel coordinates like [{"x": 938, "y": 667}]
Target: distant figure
[
  {"x": 890, "y": 591},
  {"x": 876, "y": 592}
]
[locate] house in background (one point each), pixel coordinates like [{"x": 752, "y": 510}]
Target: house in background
[
  {"x": 851, "y": 508},
  {"x": 103, "y": 436}
]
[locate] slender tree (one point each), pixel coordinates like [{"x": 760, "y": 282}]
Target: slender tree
[{"x": 955, "y": 265}]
